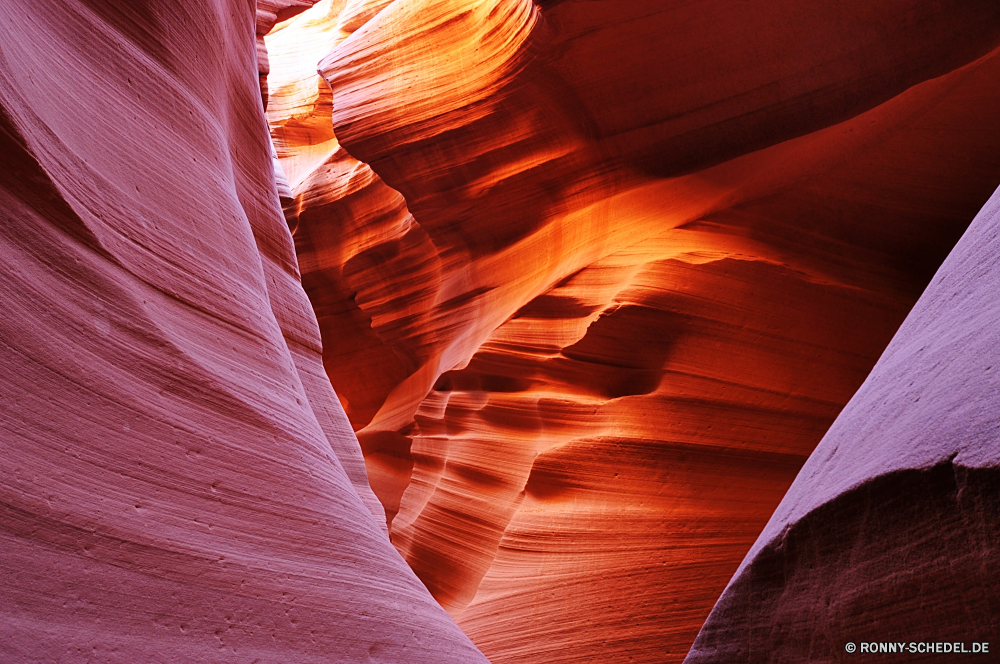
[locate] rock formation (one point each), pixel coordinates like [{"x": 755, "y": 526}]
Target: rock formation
[
  {"x": 889, "y": 533},
  {"x": 594, "y": 278},
  {"x": 590, "y": 281},
  {"x": 177, "y": 480}
]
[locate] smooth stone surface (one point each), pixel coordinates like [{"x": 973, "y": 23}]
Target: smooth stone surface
[
  {"x": 889, "y": 532},
  {"x": 178, "y": 482}
]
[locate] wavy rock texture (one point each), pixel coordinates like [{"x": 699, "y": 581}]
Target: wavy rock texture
[
  {"x": 594, "y": 278},
  {"x": 889, "y": 532},
  {"x": 177, "y": 480}
]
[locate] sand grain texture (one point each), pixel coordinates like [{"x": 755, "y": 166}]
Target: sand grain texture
[{"x": 178, "y": 482}]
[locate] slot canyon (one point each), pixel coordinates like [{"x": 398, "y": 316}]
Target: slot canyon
[{"x": 440, "y": 331}]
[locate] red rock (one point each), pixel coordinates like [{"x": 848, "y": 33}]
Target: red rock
[
  {"x": 888, "y": 533},
  {"x": 177, "y": 480},
  {"x": 579, "y": 265}
]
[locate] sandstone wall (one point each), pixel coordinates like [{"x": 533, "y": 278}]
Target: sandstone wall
[
  {"x": 594, "y": 278},
  {"x": 889, "y": 532},
  {"x": 178, "y": 482}
]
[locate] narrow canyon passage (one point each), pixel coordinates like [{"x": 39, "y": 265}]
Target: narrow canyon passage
[
  {"x": 594, "y": 280},
  {"x": 455, "y": 331}
]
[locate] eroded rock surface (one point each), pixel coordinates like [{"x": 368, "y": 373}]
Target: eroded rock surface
[
  {"x": 889, "y": 532},
  {"x": 177, "y": 480},
  {"x": 594, "y": 278}
]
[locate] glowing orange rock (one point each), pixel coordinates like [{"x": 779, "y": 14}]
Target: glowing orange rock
[{"x": 603, "y": 275}]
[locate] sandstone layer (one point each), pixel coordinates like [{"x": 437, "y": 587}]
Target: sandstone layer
[
  {"x": 594, "y": 278},
  {"x": 178, "y": 482},
  {"x": 889, "y": 533}
]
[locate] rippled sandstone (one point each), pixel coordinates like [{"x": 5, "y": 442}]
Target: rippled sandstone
[
  {"x": 594, "y": 279},
  {"x": 889, "y": 532},
  {"x": 178, "y": 482}
]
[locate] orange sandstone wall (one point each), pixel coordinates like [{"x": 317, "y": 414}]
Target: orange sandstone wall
[{"x": 594, "y": 278}]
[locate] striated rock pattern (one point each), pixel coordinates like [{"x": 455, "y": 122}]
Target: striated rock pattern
[
  {"x": 177, "y": 480},
  {"x": 594, "y": 278},
  {"x": 889, "y": 532}
]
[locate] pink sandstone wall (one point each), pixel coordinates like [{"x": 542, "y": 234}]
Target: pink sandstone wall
[{"x": 178, "y": 482}]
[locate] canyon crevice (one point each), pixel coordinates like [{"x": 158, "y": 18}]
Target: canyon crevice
[
  {"x": 594, "y": 280},
  {"x": 467, "y": 330}
]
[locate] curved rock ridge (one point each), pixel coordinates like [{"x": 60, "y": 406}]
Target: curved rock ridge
[
  {"x": 571, "y": 292},
  {"x": 889, "y": 531},
  {"x": 177, "y": 480}
]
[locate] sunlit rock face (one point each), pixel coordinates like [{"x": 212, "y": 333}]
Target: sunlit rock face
[
  {"x": 594, "y": 278},
  {"x": 178, "y": 482},
  {"x": 889, "y": 532}
]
